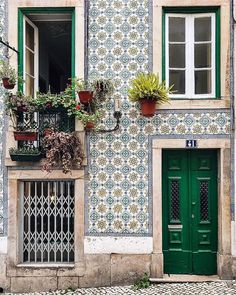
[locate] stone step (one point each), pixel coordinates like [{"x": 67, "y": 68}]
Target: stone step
[{"x": 185, "y": 279}]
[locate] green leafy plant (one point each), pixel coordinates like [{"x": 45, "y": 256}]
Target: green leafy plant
[
  {"x": 16, "y": 103},
  {"x": 148, "y": 86},
  {"x": 63, "y": 149},
  {"x": 79, "y": 84},
  {"x": 24, "y": 151},
  {"x": 7, "y": 71},
  {"x": 142, "y": 283},
  {"x": 86, "y": 117}
]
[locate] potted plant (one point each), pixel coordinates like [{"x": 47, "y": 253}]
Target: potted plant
[
  {"x": 103, "y": 89},
  {"x": 89, "y": 119},
  {"x": 26, "y": 132},
  {"x": 63, "y": 149},
  {"x": 84, "y": 90},
  {"x": 17, "y": 107},
  {"x": 15, "y": 103},
  {"x": 148, "y": 90},
  {"x": 25, "y": 154},
  {"x": 48, "y": 102},
  {"x": 7, "y": 74}
]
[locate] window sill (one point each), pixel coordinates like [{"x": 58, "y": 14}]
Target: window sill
[
  {"x": 195, "y": 104},
  {"x": 46, "y": 265}
]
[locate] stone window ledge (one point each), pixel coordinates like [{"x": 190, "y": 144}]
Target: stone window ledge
[{"x": 46, "y": 265}]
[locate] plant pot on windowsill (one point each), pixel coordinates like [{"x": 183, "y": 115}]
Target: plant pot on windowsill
[
  {"x": 26, "y": 135},
  {"x": 6, "y": 83},
  {"x": 25, "y": 155},
  {"x": 85, "y": 97}
]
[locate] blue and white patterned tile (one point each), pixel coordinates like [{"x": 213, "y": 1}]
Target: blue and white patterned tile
[
  {"x": 3, "y": 26},
  {"x": 118, "y": 192}
]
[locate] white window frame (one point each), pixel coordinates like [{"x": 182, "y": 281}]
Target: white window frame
[
  {"x": 35, "y": 52},
  {"x": 189, "y": 55}
]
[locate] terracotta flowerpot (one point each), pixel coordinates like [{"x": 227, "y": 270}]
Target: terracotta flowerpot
[
  {"x": 6, "y": 83},
  {"x": 148, "y": 107},
  {"x": 25, "y": 135},
  {"x": 85, "y": 97},
  {"x": 89, "y": 125}
]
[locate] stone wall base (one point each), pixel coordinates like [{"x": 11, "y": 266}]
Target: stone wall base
[
  {"x": 4, "y": 280},
  {"x": 224, "y": 266},
  {"x": 100, "y": 270}
]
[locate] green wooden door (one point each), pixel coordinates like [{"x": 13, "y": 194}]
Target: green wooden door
[{"x": 189, "y": 192}]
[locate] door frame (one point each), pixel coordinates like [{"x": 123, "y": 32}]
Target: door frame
[{"x": 222, "y": 145}]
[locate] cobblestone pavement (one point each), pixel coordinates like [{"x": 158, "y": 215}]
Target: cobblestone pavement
[{"x": 213, "y": 288}]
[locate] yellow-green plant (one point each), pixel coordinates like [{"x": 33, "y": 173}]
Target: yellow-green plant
[{"x": 148, "y": 86}]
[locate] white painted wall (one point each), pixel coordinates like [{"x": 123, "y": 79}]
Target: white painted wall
[
  {"x": 3, "y": 245},
  {"x": 118, "y": 245}
]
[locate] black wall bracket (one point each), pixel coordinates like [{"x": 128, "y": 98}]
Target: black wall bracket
[{"x": 8, "y": 46}]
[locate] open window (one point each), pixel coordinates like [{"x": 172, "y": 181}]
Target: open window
[{"x": 46, "y": 60}]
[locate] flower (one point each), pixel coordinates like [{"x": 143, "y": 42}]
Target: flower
[{"x": 78, "y": 107}]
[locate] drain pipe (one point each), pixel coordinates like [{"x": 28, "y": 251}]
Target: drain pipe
[{"x": 232, "y": 119}]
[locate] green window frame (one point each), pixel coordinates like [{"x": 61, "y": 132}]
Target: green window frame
[
  {"x": 42, "y": 10},
  {"x": 194, "y": 10}
]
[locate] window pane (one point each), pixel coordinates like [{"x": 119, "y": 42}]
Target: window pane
[
  {"x": 202, "y": 29},
  {"x": 176, "y": 29},
  {"x": 177, "y": 78},
  {"x": 202, "y": 55},
  {"x": 29, "y": 36},
  {"x": 203, "y": 82},
  {"x": 177, "y": 55},
  {"x": 29, "y": 62},
  {"x": 29, "y": 85}
]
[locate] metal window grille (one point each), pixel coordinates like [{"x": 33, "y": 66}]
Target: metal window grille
[
  {"x": 204, "y": 206},
  {"x": 48, "y": 221},
  {"x": 175, "y": 200}
]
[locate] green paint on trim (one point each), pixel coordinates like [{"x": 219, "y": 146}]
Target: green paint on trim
[
  {"x": 20, "y": 47},
  {"x": 42, "y": 10},
  {"x": 199, "y": 9},
  {"x": 73, "y": 44}
]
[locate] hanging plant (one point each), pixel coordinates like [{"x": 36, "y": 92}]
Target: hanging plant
[
  {"x": 63, "y": 149},
  {"x": 84, "y": 90},
  {"x": 103, "y": 89},
  {"x": 7, "y": 74}
]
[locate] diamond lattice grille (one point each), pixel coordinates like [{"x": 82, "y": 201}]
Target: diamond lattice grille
[
  {"x": 48, "y": 223},
  {"x": 175, "y": 201},
  {"x": 204, "y": 189}
]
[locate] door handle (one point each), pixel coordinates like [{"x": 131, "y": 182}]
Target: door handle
[
  {"x": 192, "y": 216},
  {"x": 193, "y": 203}
]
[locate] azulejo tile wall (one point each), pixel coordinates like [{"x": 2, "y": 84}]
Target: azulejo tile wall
[
  {"x": 118, "y": 199},
  {"x": 3, "y": 201}
]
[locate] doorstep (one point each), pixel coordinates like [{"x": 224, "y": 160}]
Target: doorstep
[{"x": 184, "y": 279}]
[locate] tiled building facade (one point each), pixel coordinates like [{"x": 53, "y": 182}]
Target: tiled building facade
[{"x": 118, "y": 216}]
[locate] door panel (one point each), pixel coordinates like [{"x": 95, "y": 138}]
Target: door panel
[{"x": 190, "y": 211}]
